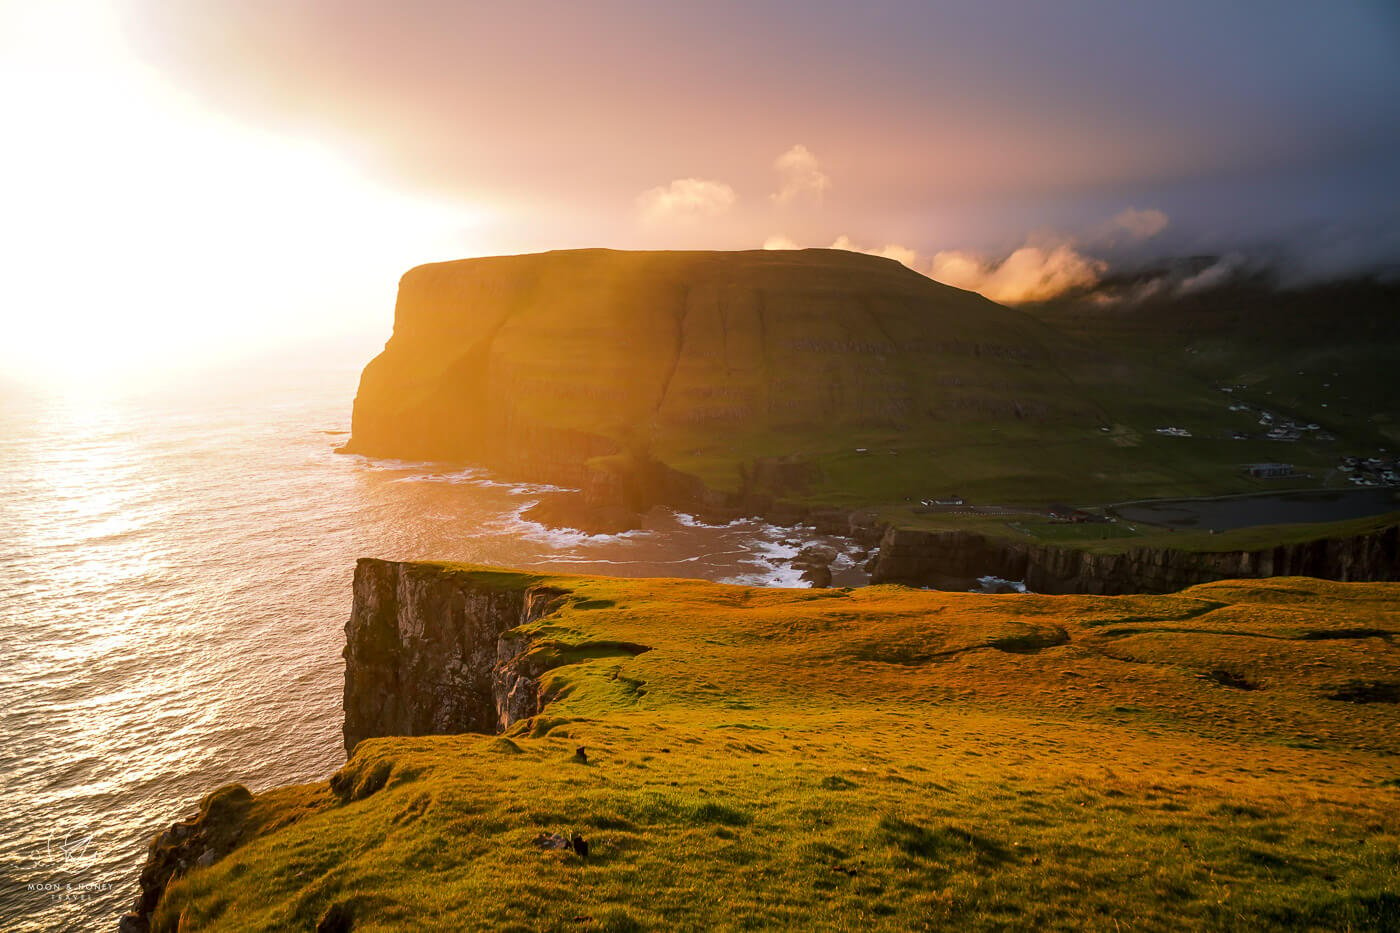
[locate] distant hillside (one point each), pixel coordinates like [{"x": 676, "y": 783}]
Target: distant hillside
[
  {"x": 816, "y": 376},
  {"x": 1325, "y": 353}
]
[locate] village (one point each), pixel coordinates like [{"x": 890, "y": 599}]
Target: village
[
  {"x": 1273, "y": 426},
  {"x": 1371, "y": 471}
]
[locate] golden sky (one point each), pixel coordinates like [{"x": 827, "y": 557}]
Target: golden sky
[{"x": 185, "y": 181}]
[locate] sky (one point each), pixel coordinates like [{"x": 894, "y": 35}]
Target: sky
[{"x": 186, "y": 181}]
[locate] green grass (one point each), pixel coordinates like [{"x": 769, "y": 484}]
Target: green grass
[
  {"x": 877, "y": 758},
  {"x": 1117, "y": 537},
  {"x": 1323, "y": 353},
  {"x": 1266, "y": 536}
]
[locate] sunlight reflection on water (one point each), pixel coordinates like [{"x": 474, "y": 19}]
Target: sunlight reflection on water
[{"x": 174, "y": 582}]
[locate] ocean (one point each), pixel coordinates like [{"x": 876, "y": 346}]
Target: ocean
[{"x": 175, "y": 573}]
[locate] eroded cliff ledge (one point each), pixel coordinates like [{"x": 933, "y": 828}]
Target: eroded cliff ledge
[
  {"x": 954, "y": 560},
  {"x": 431, "y": 651}
]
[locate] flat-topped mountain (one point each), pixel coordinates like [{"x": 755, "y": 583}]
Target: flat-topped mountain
[{"x": 816, "y": 375}]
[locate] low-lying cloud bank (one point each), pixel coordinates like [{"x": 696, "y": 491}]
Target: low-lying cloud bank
[
  {"x": 1031, "y": 273},
  {"x": 1048, "y": 264}
]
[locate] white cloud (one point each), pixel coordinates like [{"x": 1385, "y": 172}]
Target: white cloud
[
  {"x": 801, "y": 177},
  {"x": 686, "y": 199},
  {"x": 1046, "y": 265},
  {"x": 778, "y": 241},
  {"x": 1031, "y": 273},
  {"x": 890, "y": 251},
  {"x": 1140, "y": 224}
]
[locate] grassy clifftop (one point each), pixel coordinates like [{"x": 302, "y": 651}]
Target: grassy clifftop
[
  {"x": 885, "y": 758},
  {"x": 818, "y": 376}
]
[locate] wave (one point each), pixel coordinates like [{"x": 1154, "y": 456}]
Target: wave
[
  {"x": 429, "y": 471},
  {"x": 690, "y": 521},
  {"x": 562, "y": 537},
  {"x": 994, "y": 584}
]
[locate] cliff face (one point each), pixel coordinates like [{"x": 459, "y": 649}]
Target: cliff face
[
  {"x": 954, "y": 561},
  {"x": 430, "y": 652},
  {"x": 549, "y": 358}
]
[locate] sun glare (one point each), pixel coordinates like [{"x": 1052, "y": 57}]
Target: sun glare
[{"x": 141, "y": 232}]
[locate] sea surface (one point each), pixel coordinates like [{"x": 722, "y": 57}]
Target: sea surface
[{"x": 175, "y": 573}]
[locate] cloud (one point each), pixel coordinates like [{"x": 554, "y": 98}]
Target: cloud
[
  {"x": 890, "y": 251},
  {"x": 778, "y": 241},
  {"x": 1047, "y": 264},
  {"x": 1141, "y": 224},
  {"x": 1225, "y": 269},
  {"x": 801, "y": 176},
  {"x": 1031, "y": 273},
  {"x": 686, "y": 199}
]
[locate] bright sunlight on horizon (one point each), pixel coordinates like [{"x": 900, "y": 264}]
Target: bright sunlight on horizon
[
  {"x": 143, "y": 234},
  {"x": 196, "y": 183}
]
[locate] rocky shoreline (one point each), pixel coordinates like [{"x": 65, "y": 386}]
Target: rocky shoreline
[{"x": 958, "y": 560}]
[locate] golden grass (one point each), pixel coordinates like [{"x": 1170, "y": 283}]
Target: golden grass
[{"x": 878, "y": 758}]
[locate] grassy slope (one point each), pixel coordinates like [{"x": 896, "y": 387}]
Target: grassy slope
[
  {"x": 883, "y": 758},
  {"x": 1323, "y": 354},
  {"x": 1122, "y": 536}
]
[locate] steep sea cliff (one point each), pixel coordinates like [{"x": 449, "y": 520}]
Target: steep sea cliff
[
  {"x": 430, "y": 652},
  {"x": 954, "y": 560}
]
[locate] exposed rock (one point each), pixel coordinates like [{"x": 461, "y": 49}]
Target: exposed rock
[
  {"x": 429, "y": 652},
  {"x": 955, "y": 560},
  {"x": 552, "y": 841},
  {"x": 574, "y": 510},
  {"x": 815, "y": 554},
  {"x": 571, "y": 843},
  {"x": 199, "y": 841},
  {"x": 814, "y": 561}
]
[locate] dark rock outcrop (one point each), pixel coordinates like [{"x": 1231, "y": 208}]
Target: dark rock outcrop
[
  {"x": 196, "y": 842},
  {"x": 428, "y": 651},
  {"x": 954, "y": 560},
  {"x": 815, "y": 563}
]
